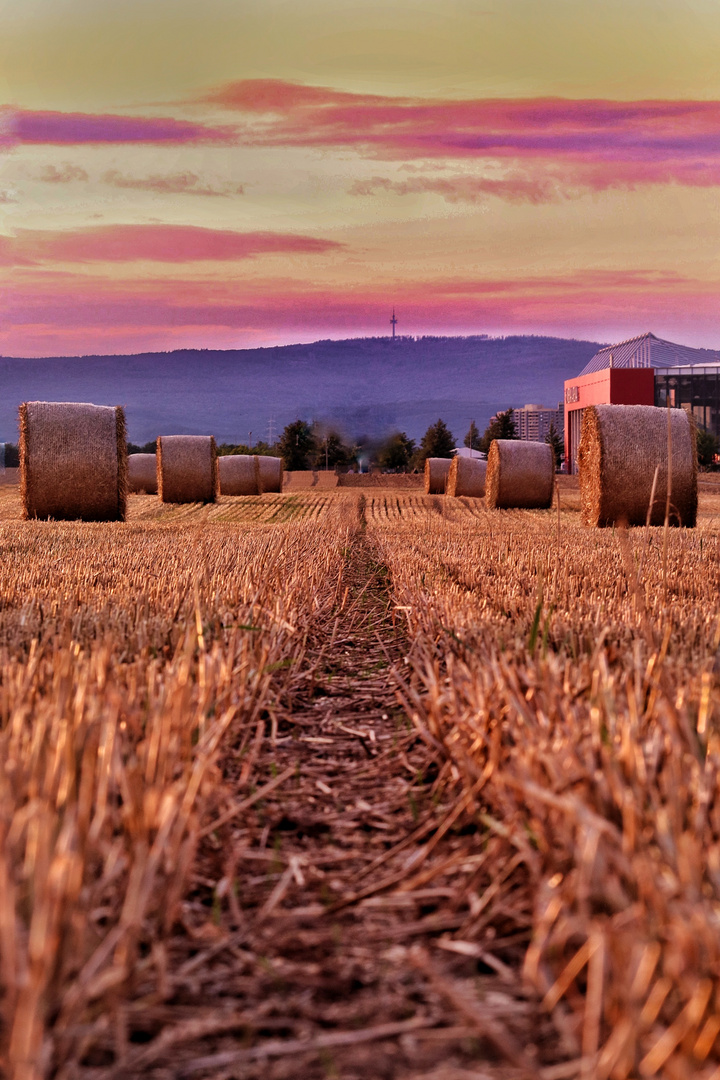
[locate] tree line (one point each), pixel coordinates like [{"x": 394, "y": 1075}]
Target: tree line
[
  {"x": 304, "y": 445},
  {"x": 313, "y": 446}
]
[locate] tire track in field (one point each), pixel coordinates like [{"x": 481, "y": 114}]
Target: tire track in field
[{"x": 335, "y": 892}]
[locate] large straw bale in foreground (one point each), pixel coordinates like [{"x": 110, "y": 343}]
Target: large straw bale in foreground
[
  {"x": 187, "y": 468},
  {"x": 467, "y": 477},
  {"x": 73, "y": 461},
  {"x": 620, "y": 448},
  {"x": 271, "y": 473},
  {"x": 519, "y": 474},
  {"x": 142, "y": 473},
  {"x": 436, "y": 474},
  {"x": 239, "y": 474}
]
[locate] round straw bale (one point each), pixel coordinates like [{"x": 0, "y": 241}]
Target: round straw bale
[
  {"x": 467, "y": 477},
  {"x": 187, "y": 468},
  {"x": 73, "y": 461},
  {"x": 271, "y": 473},
  {"x": 142, "y": 473},
  {"x": 621, "y": 446},
  {"x": 519, "y": 474},
  {"x": 436, "y": 474},
  {"x": 239, "y": 474}
]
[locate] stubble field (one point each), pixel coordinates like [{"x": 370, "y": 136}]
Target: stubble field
[{"x": 359, "y": 783}]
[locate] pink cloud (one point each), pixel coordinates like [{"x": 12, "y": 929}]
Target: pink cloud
[
  {"x": 156, "y": 243},
  {"x": 26, "y": 127},
  {"x": 79, "y": 311},
  {"x": 605, "y": 143},
  {"x": 183, "y": 183}
]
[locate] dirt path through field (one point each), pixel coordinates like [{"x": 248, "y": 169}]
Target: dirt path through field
[{"x": 334, "y": 896}]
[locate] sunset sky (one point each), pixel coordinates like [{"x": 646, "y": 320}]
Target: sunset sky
[{"x": 235, "y": 173}]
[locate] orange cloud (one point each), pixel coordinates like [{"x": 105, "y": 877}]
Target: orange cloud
[
  {"x": 65, "y": 174},
  {"x": 471, "y": 189},
  {"x": 183, "y": 183}
]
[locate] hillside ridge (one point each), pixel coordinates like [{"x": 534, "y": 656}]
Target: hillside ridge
[{"x": 367, "y": 386}]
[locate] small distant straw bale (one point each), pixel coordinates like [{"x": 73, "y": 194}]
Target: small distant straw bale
[
  {"x": 271, "y": 473},
  {"x": 187, "y": 468},
  {"x": 142, "y": 473},
  {"x": 467, "y": 477},
  {"x": 620, "y": 448},
  {"x": 73, "y": 461},
  {"x": 519, "y": 474},
  {"x": 239, "y": 474},
  {"x": 436, "y": 474}
]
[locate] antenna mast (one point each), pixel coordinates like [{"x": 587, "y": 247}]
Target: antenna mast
[{"x": 394, "y": 323}]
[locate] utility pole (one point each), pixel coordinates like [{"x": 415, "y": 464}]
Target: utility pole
[{"x": 393, "y": 322}]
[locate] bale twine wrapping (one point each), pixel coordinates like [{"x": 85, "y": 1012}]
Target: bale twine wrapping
[
  {"x": 466, "y": 477},
  {"x": 520, "y": 474},
  {"x": 73, "y": 461},
  {"x": 239, "y": 474},
  {"x": 142, "y": 474},
  {"x": 271, "y": 473},
  {"x": 436, "y": 474},
  {"x": 187, "y": 468},
  {"x": 620, "y": 448}
]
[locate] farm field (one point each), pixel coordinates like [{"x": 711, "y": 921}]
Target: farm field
[{"x": 359, "y": 783}]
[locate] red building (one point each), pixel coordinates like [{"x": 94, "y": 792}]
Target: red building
[
  {"x": 613, "y": 386},
  {"x": 644, "y": 371}
]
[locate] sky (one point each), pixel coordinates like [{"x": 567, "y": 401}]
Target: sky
[{"x": 240, "y": 173}]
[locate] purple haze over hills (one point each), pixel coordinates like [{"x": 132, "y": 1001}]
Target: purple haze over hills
[{"x": 367, "y": 386}]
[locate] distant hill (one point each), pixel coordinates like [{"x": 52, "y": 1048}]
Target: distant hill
[{"x": 366, "y": 385}]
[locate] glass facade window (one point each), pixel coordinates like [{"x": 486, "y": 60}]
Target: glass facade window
[{"x": 695, "y": 389}]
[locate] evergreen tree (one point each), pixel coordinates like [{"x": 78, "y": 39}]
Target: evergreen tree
[
  {"x": 472, "y": 439},
  {"x": 297, "y": 445},
  {"x": 502, "y": 426},
  {"x": 707, "y": 447},
  {"x": 555, "y": 440},
  {"x": 438, "y": 441},
  {"x": 397, "y": 452}
]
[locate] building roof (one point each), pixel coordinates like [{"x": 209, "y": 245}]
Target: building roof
[
  {"x": 648, "y": 351},
  {"x": 465, "y": 451}
]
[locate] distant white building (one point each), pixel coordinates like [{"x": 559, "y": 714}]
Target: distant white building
[
  {"x": 465, "y": 451},
  {"x": 532, "y": 422}
]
